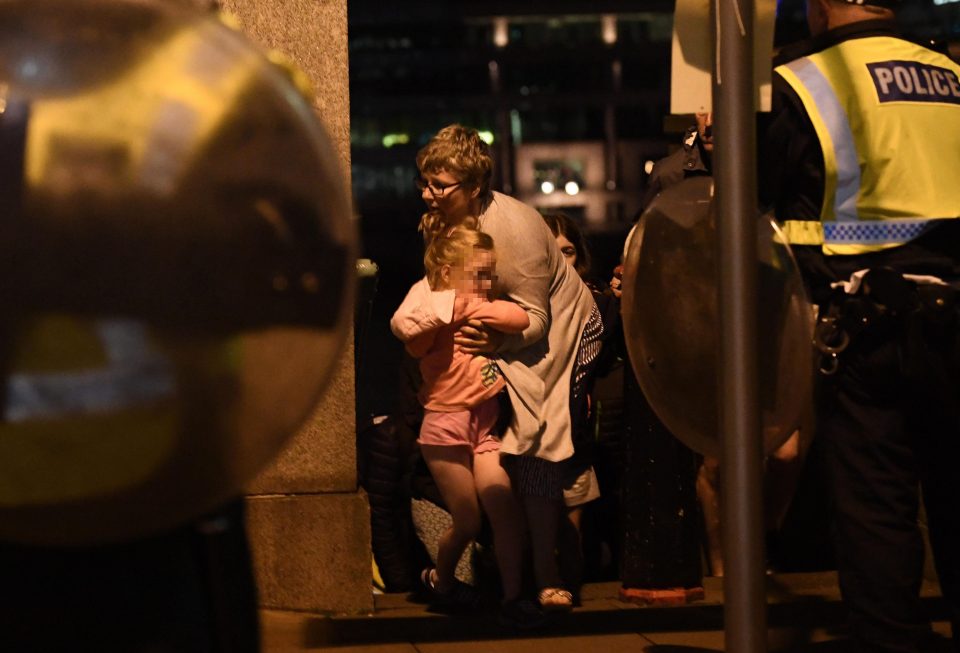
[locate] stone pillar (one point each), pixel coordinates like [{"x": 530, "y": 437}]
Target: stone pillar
[{"x": 308, "y": 521}]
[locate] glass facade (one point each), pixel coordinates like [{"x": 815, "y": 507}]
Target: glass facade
[{"x": 536, "y": 77}]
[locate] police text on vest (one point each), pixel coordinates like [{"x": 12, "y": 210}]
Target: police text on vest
[{"x": 912, "y": 81}]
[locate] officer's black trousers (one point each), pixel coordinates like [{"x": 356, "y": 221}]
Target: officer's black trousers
[
  {"x": 889, "y": 419},
  {"x": 188, "y": 590}
]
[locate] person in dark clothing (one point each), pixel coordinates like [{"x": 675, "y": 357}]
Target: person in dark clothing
[
  {"x": 860, "y": 163},
  {"x": 581, "y": 486},
  {"x": 692, "y": 159}
]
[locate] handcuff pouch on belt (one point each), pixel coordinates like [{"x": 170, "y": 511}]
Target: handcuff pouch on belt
[{"x": 883, "y": 293}]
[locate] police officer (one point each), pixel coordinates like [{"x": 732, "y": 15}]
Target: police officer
[
  {"x": 863, "y": 156},
  {"x": 694, "y": 158}
]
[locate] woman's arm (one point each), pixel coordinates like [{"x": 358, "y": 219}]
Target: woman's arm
[
  {"x": 502, "y": 316},
  {"x": 525, "y": 271}
]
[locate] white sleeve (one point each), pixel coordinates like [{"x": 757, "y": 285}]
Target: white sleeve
[{"x": 422, "y": 310}]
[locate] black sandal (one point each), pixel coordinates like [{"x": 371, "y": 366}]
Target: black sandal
[{"x": 460, "y": 595}]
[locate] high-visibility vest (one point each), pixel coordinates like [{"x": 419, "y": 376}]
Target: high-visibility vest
[
  {"x": 887, "y": 115},
  {"x": 95, "y": 400}
]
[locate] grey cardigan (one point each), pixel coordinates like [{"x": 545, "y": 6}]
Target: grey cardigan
[{"x": 537, "y": 363}]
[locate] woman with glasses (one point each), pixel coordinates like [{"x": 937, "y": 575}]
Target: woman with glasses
[{"x": 545, "y": 366}]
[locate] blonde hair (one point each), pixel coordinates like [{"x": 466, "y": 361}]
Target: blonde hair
[
  {"x": 432, "y": 225},
  {"x": 460, "y": 151},
  {"x": 453, "y": 248}
]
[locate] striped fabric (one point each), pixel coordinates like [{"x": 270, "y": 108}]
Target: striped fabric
[
  {"x": 536, "y": 477},
  {"x": 588, "y": 352}
]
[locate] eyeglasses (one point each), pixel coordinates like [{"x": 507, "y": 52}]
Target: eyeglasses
[{"x": 435, "y": 190}]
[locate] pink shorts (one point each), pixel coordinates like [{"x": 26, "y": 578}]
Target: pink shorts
[{"x": 472, "y": 428}]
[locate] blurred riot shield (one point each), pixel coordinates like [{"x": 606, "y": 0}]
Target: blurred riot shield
[
  {"x": 176, "y": 266},
  {"x": 671, "y": 321}
]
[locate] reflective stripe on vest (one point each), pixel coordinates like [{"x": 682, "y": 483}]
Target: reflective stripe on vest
[
  {"x": 887, "y": 116},
  {"x": 136, "y": 375},
  {"x": 840, "y": 158},
  {"x": 873, "y": 234}
]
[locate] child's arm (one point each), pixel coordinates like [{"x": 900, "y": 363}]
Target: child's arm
[
  {"x": 502, "y": 315},
  {"x": 422, "y": 310},
  {"x": 418, "y": 346}
]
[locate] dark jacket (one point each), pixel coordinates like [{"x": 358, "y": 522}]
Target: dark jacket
[
  {"x": 689, "y": 161},
  {"x": 391, "y": 470}
]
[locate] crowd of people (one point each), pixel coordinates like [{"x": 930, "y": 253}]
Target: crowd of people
[{"x": 857, "y": 162}]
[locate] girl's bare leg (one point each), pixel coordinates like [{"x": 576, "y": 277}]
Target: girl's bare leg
[
  {"x": 503, "y": 510},
  {"x": 452, "y": 470}
]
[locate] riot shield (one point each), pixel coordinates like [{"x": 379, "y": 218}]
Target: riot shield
[
  {"x": 671, "y": 320},
  {"x": 177, "y": 260}
]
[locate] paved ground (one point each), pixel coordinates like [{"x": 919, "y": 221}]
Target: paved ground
[{"x": 804, "y": 614}]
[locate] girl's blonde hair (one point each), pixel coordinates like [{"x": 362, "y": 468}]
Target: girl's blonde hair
[
  {"x": 460, "y": 151},
  {"x": 432, "y": 225},
  {"x": 453, "y": 248}
]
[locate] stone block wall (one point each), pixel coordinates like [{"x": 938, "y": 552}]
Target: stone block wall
[{"x": 307, "y": 519}]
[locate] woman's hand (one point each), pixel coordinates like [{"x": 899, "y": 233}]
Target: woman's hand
[{"x": 476, "y": 338}]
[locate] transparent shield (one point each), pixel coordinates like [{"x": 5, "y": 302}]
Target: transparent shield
[
  {"x": 177, "y": 266},
  {"x": 671, "y": 320}
]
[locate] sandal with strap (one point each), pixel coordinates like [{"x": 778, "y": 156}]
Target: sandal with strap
[
  {"x": 427, "y": 581},
  {"x": 555, "y": 599},
  {"x": 460, "y": 595}
]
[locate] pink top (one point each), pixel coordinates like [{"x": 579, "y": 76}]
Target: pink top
[{"x": 427, "y": 321}]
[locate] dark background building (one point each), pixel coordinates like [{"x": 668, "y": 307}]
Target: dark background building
[{"x": 564, "y": 91}]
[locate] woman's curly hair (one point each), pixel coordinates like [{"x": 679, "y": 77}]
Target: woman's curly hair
[{"x": 460, "y": 151}]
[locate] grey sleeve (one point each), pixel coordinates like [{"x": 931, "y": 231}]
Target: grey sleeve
[{"x": 524, "y": 270}]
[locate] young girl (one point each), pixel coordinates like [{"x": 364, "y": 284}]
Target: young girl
[{"x": 459, "y": 396}]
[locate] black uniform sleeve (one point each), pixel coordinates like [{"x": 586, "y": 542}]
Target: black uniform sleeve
[
  {"x": 791, "y": 177},
  {"x": 791, "y": 174},
  {"x": 654, "y": 186}
]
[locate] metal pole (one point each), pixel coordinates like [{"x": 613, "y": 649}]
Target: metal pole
[
  {"x": 612, "y": 157},
  {"x": 741, "y": 465},
  {"x": 502, "y": 118}
]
